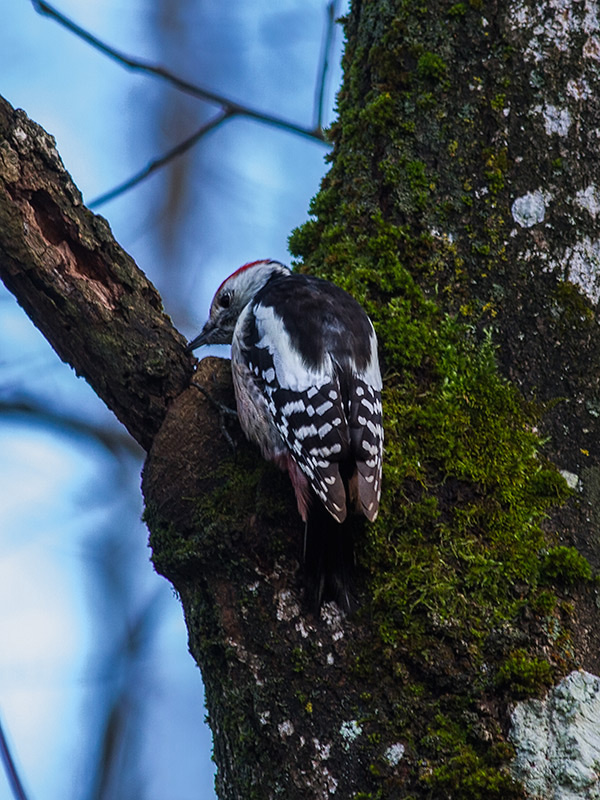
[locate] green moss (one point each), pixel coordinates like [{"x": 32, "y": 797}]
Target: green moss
[
  {"x": 566, "y": 566},
  {"x": 413, "y": 212},
  {"x": 457, "y": 545},
  {"x": 464, "y": 773},
  {"x": 467, "y": 776},
  {"x": 457, "y": 10},
  {"x": 544, "y": 602},
  {"x": 465, "y": 487},
  {"x": 431, "y": 65},
  {"x": 572, "y": 304},
  {"x": 171, "y": 552},
  {"x": 523, "y": 675},
  {"x": 496, "y": 165},
  {"x": 379, "y": 112},
  {"x": 299, "y": 660}
]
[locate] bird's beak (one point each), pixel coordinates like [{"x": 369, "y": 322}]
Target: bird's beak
[{"x": 202, "y": 338}]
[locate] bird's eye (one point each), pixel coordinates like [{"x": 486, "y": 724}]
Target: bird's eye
[{"x": 225, "y": 300}]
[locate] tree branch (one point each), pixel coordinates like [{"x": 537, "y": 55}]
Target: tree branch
[
  {"x": 229, "y": 108},
  {"x": 115, "y": 440},
  {"x": 137, "y": 65},
  {"x": 324, "y": 65},
  {"x": 10, "y": 768},
  {"x": 157, "y": 163},
  {"x": 87, "y": 296}
]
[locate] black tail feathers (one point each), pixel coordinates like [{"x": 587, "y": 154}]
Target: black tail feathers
[{"x": 328, "y": 560}]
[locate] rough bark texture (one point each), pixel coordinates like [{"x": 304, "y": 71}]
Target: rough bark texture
[
  {"x": 460, "y": 209},
  {"x": 86, "y": 295},
  {"x": 466, "y": 162}
]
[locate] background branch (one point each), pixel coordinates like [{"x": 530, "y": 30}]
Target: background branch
[
  {"x": 10, "y": 768},
  {"x": 230, "y": 108},
  {"x": 157, "y": 163},
  {"x": 114, "y": 439},
  {"x": 332, "y": 13}
]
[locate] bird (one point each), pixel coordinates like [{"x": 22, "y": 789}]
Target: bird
[{"x": 307, "y": 383}]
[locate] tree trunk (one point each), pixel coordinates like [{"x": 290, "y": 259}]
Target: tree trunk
[{"x": 460, "y": 209}]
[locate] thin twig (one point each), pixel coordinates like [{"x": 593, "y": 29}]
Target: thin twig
[
  {"x": 156, "y": 163},
  {"x": 230, "y": 106},
  {"x": 324, "y": 65},
  {"x": 10, "y": 767}
]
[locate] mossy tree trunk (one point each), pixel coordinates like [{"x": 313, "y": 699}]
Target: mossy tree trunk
[{"x": 460, "y": 209}]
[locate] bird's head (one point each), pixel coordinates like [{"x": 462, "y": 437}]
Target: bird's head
[{"x": 230, "y": 299}]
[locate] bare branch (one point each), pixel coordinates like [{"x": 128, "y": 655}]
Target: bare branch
[
  {"x": 116, "y": 725},
  {"x": 324, "y": 65},
  {"x": 114, "y": 439},
  {"x": 230, "y": 106},
  {"x": 144, "y": 173},
  {"x": 10, "y": 768}
]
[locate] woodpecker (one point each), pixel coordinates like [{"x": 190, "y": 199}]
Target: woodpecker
[{"x": 308, "y": 392}]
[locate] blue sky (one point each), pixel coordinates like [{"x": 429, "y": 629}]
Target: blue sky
[{"x": 64, "y": 501}]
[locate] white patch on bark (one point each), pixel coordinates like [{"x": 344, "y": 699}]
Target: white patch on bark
[
  {"x": 554, "y": 25},
  {"x": 302, "y": 628},
  {"x": 556, "y": 120},
  {"x": 349, "y": 731},
  {"x": 330, "y": 782},
  {"x": 250, "y": 659},
  {"x": 579, "y": 89},
  {"x": 323, "y": 750},
  {"x": 285, "y": 729},
  {"x": 394, "y": 754},
  {"x": 333, "y": 616},
  {"x": 570, "y": 477},
  {"x": 557, "y": 741},
  {"x": 591, "y": 49},
  {"x": 589, "y": 199},
  {"x": 321, "y": 784},
  {"x": 287, "y": 607},
  {"x": 530, "y": 209},
  {"x": 579, "y": 264},
  {"x": 583, "y": 263}
]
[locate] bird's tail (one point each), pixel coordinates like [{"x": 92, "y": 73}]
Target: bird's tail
[{"x": 328, "y": 560}]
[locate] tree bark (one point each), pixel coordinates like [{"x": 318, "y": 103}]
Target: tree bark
[
  {"x": 460, "y": 209},
  {"x": 96, "y": 308}
]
